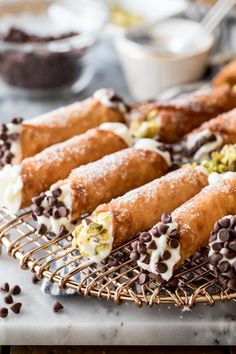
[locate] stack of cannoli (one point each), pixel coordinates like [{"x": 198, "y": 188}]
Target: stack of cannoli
[
  {"x": 115, "y": 223},
  {"x": 180, "y": 234},
  {"x": 88, "y": 186},
  {"x": 210, "y": 136},
  {"x": 19, "y": 183},
  {"x": 171, "y": 121},
  {"x": 20, "y": 139},
  {"x": 222, "y": 254},
  {"x": 227, "y": 75}
]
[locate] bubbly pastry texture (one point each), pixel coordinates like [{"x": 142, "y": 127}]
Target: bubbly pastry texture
[
  {"x": 93, "y": 238},
  {"x": 150, "y": 144},
  {"x": 11, "y": 186},
  {"x": 119, "y": 129}
]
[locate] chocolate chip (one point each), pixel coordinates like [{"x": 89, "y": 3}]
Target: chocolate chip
[
  {"x": 16, "y": 307},
  {"x": 59, "y": 204},
  {"x": 62, "y": 230},
  {"x": 57, "y": 306},
  {"x": 16, "y": 290},
  {"x": 145, "y": 258},
  {"x": 134, "y": 244},
  {"x": 42, "y": 229},
  {"x": 17, "y": 120},
  {"x": 232, "y": 246},
  {"x": 8, "y": 157},
  {"x": 14, "y": 136},
  {"x": 134, "y": 256},
  {"x": 51, "y": 201},
  {"x": 37, "y": 210},
  {"x": 62, "y": 211},
  {"x": 232, "y": 284},
  {"x": 155, "y": 232},
  {"x": 143, "y": 278},
  {"x": 161, "y": 267},
  {"x": 224, "y": 223},
  {"x": 217, "y": 227},
  {"x": 233, "y": 220},
  {"x": 232, "y": 233},
  {"x": 217, "y": 246},
  {"x": 166, "y": 255},
  {"x": 229, "y": 254},
  {"x": 213, "y": 237},
  {"x": 3, "y": 128},
  {"x": 224, "y": 267},
  {"x": 174, "y": 243},
  {"x": 162, "y": 228},
  {"x": 113, "y": 262},
  {"x": 215, "y": 258},
  {"x": 56, "y": 214},
  {"x": 56, "y": 192},
  {"x": 223, "y": 282},
  {"x": 166, "y": 218},
  {"x": 37, "y": 200},
  {"x": 142, "y": 248},
  {"x": 5, "y": 287},
  {"x": 51, "y": 234},
  {"x": 35, "y": 279},
  {"x": 3, "y": 312},
  {"x": 223, "y": 235},
  {"x": 8, "y": 299},
  {"x": 152, "y": 245},
  {"x": 46, "y": 214},
  {"x": 145, "y": 237}
]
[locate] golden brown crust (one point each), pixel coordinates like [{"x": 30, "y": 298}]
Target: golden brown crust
[
  {"x": 56, "y": 162},
  {"x": 197, "y": 216},
  {"x": 227, "y": 75},
  {"x": 112, "y": 176},
  {"x": 141, "y": 208},
  {"x": 63, "y": 123}
]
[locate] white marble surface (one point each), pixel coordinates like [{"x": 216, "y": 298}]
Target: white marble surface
[{"x": 92, "y": 321}]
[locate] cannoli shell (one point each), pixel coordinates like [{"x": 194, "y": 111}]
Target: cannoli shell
[
  {"x": 56, "y": 162},
  {"x": 113, "y": 176},
  {"x": 63, "y": 123},
  {"x": 141, "y": 208},
  {"x": 227, "y": 75}
]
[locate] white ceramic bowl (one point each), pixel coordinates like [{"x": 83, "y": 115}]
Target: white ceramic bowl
[{"x": 148, "y": 72}]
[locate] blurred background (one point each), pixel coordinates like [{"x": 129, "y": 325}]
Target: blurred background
[{"x": 53, "y": 53}]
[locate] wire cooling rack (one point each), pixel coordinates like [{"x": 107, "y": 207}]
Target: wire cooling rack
[{"x": 62, "y": 264}]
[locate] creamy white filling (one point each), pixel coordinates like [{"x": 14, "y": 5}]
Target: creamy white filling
[
  {"x": 222, "y": 251},
  {"x": 11, "y": 185},
  {"x": 15, "y": 148},
  {"x": 95, "y": 246},
  {"x": 150, "y": 144},
  {"x": 53, "y": 225},
  {"x": 119, "y": 129},
  {"x": 205, "y": 149},
  {"x": 104, "y": 97},
  {"x": 161, "y": 247},
  {"x": 215, "y": 177}
]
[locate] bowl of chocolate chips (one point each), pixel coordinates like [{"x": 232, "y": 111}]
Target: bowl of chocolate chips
[{"x": 46, "y": 46}]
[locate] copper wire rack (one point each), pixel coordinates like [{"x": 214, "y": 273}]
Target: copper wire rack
[{"x": 60, "y": 263}]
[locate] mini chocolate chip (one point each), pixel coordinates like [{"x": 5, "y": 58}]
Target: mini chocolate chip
[
  {"x": 16, "y": 307},
  {"x": 62, "y": 211},
  {"x": 232, "y": 284},
  {"x": 224, "y": 223},
  {"x": 14, "y": 136},
  {"x": 37, "y": 210},
  {"x": 232, "y": 246},
  {"x": 155, "y": 232},
  {"x": 234, "y": 265},
  {"x": 229, "y": 254},
  {"x": 17, "y": 120},
  {"x": 134, "y": 256},
  {"x": 217, "y": 247},
  {"x": 3, "y": 128},
  {"x": 223, "y": 282},
  {"x": 134, "y": 244},
  {"x": 166, "y": 255},
  {"x": 34, "y": 216},
  {"x": 162, "y": 228},
  {"x": 223, "y": 235},
  {"x": 174, "y": 243},
  {"x": 113, "y": 262},
  {"x": 3, "y": 136},
  {"x": 37, "y": 200},
  {"x": 145, "y": 258},
  {"x": 8, "y": 299},
  {"x": 51, "y": 201},
  {"x": 46, "y": 214},
  {"x": 59, "y": 203},
  {"x": 166, "y": 218},
  {"x": 51, "y": 234},
  {"x": 8, "y": 157},
  {"x": 232, "y": 234},
  {"x": 217, "y": 227},
  {"x": 56, "y": 214},
  {"x": 174, "y": 233},
  {"x": 152, "y": 245},
  {"x": 42, "y": 229},
  {"x": 62, "y": 230},
  {"x": 224, "y": 267},
  {"x": 233, "y": 220},
  {"x": 3, "y": 312},
  {"x": 57, "y": 306},
  {"x": 161, "y": 267},
  {"x": 35, "y": 279},
  {"x": 215, "y": 258},
  {"x": 5, "y": 287},
  {"x": 16, "y": 290},
  {"x": 145, "y": 237},
  {"x": 143, "y": 278},
  {"x": 56, "y": 192},
  {"x": 216, "y": 271},
  {"x": 142, "y": 248},
  {"x": 213, "y": 237}
]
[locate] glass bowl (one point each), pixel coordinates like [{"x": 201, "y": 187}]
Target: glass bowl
[{"x": 46, "y": 46}]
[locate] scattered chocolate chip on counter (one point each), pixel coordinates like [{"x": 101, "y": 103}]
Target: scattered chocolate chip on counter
[
  {"x": 16, "y": 290},
  {"x": 57, "y": 306},
  {"x": 5, "y": 287},
  {"x": 8, "y": 299},
  {"x": 16, "y": 307},
  {"x": 3, "y": 312}
]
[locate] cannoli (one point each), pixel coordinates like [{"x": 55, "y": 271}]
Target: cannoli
[
  {"x": 19, "y": 183},
  {"x": 115, "y": 223},
  {"x": 98, "y": 182},
  {"x": 172, "y": 120},
  {"x": 227, "y": 75},
  {"x": 211, "y": 136},
  {"x": 183, "y": 232},
  {"x": 222, "y": 254},
  {"x": 20, "y": 139}
]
